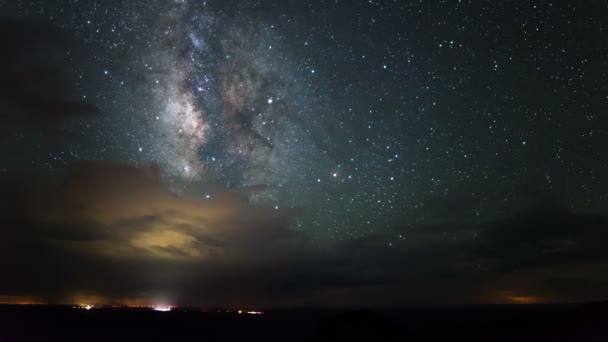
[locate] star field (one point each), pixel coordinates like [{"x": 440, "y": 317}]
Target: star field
[
  {"x": 357, "y": 113},
  {"x": 324, "y": 152}
]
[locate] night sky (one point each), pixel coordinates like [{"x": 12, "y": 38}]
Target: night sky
[{"x": 303, "y": 153}]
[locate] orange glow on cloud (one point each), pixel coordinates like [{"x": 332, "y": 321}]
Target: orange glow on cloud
[
  {"x": 21, "y": 300},
  {"x": 522, "y": 299}
]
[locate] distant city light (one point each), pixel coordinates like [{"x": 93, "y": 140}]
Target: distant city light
[
  {"x": 250, "y": 312},
  {"x": 162, "y": 308}
]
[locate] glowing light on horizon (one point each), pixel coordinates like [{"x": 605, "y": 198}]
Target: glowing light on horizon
[
  {"x": 250, "y": 312},
  {"x": 523, "y": 299},
  {"x": 162, "y": 308}
]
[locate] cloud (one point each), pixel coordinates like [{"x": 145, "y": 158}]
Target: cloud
[
  {"x": 39, "y": 102},
  {"x": 545, "y": 252},
  {"x": 117, "y": 233},
  {"x": 133, "y": 210},
  {"x": 544, "y": 237},
  {"x": 107, "y": 217},
  {"x": 33, "y": 87}
]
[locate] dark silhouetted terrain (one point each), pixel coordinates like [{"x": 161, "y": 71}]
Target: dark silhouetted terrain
[{"x": 587, "y": 322}]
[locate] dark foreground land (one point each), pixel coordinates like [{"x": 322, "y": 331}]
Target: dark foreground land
[{"x": 587, "y": 322}]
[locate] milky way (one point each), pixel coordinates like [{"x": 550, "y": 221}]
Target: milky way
[
  {"x": 216, "y": 100},
  {"x": 221, "y": 106},
  {"x": 180, "y": 131}
]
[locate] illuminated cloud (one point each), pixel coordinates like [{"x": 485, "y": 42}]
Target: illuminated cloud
[
  {"x": 121, "y": 235},
  {"x": 126, "y": 211}
]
